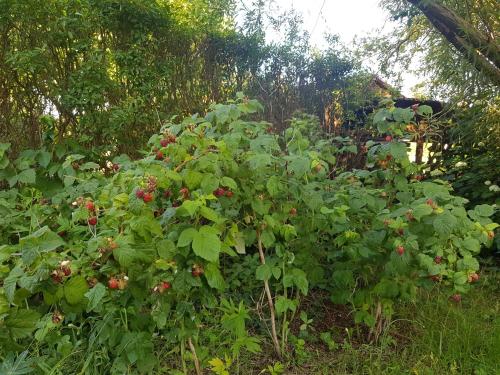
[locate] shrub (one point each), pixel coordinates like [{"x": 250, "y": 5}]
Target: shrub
[{"x": 160, "y": 257}]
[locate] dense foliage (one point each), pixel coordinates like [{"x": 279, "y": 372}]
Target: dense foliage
[
  {"x": 158, "y": 263},
  {"x": 467, "y": 134},
  {"x": 102, "y": 75}
]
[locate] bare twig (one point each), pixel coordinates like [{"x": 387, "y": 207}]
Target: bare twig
[{"x": 274, "y": 335}]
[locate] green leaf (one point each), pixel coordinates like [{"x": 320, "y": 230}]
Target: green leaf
[
  {"x": 424, "y": 110},
  {"x": 259, "y": 161},
  {"x": 299, "y": 165},
  {"x": 190, "y": 207},
  {"x": 193, "y": 179},
  {"x": 166, "y": 249},
  {"x": 422, "y": 210},
  {"x": 460, "y": 278},
  {"x": 263, "y": 272},
  {"x": 186, "y": 237},
  {"x": 22, "y": 323},
  {"x": 41, "y": 241},
  {"x": 445, "y": 223},
  {"x": 43, "y": 158},
  {"x": 210, "y": 214},
  {"x": 207, "y": 244},
  {"x": 274, "y": 186},
  {"x": 484, "y": 210},
  {"x": 284, "y": 304},
  {"x": 10, "y": 282},
  {"x": 398, "y": 150},
  {"x": 27, "y": 176},
  {"x": 125, "y": 255},
  {"x": 69, "y": 180},
  {"x": 214, "y": 276},
  {"x": 229, "y": 182},
  {"x": 95, "y": 296},
  {"x": 75, "y": 289},
  {"x": 472, "y": 244}
]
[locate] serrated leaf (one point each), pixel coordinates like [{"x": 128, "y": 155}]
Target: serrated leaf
[
  {"x": 75, "y": 289},
  {"x": 27, "y": 176},
  {"x": 22, "y": 323},
  {"x": 206, "y": 244},
  {"x": 228, "y": 182},
  {"x": 422, "y": 210},
  {"x": 263, "y": 272},
  {"x": 484, "y": 210},
  {"x": 186, "y": 237},
  {"x": 10, "y": 282},
  {"x": 125, "y": 255},
  {"x": 445, "y": 223},
  {"x": 95, "y": 295},
  {"x": 43, "y": 158},
  {"x": 210, "y": 214},
  {"x": 166, "y": 249},
  {"x": 214, "y": 276},
  {"x": 193, "y": 179},
  {"x": 284, "y": 304},
  {"x": 43, "y": 240},
  {"x": 472, "y": 244}
]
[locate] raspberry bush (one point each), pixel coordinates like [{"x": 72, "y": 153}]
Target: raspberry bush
[{"x": 105, "y": 269}]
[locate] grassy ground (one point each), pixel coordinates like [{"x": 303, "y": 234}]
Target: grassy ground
[{"x": 432, "y": 337}]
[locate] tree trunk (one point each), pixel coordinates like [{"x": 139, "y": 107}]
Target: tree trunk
[{"x": 482, "y": 53}]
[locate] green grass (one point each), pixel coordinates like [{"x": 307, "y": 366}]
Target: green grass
[{"x": 434, "y": 336}]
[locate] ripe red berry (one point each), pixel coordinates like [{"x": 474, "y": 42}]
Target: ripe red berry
[
  {"x": 164, "y": 142},
  {"x": 113, "y": 283},
  {"x": 159, "y": 155},
  {"x": 388, "y": 138},
  {"x": 56, "y": 276},
  {"x": 92, "y": 221},
  {"x": 148, "y": 197},
  {"x": 293, "y": 211},
  {"x": 184, "y": 192},
  {"x": 456, "y": 297},
  {"x": 400, "y": 250},
  {"x": 219, "y": 192},
  {"x": 162, "y": 287},
  {"x": 438, "y": 259},
  {"x": 67, "y": 271},
  {"x": 229, "y": 193},
  {"x": 139, "y": 193},
  {"x": 167, "y": 194},
  {"x": 90, "y": 206}
]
